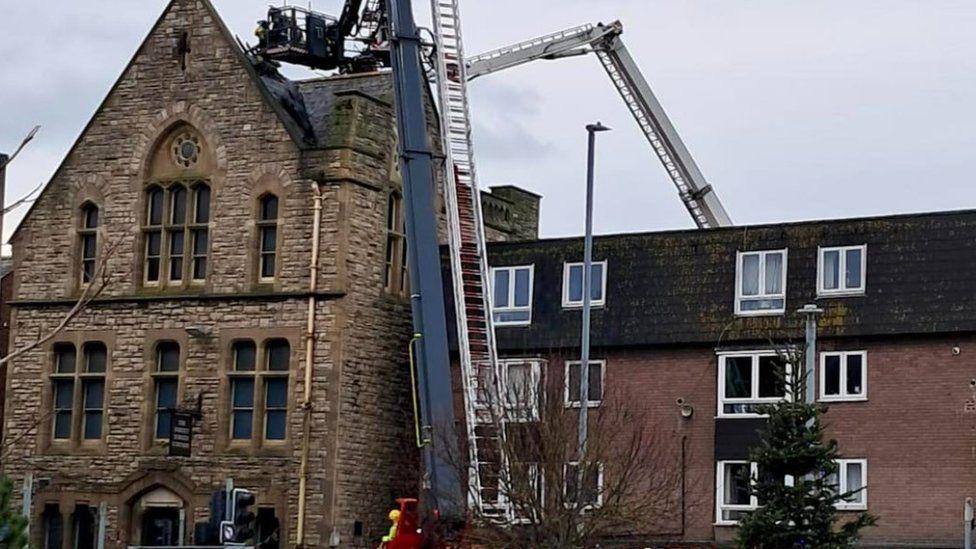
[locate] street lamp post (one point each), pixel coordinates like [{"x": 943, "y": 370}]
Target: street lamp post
[
  {"x": 592, "y": 130},
  {"x": 810, "y": 313}
]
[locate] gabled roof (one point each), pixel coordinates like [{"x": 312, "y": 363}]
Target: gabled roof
[{"x": 286, "y": 98}]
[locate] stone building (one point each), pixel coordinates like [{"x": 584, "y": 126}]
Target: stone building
[
  {"x": 698, "y": 315},
  {"x": 250, "y": 230}
]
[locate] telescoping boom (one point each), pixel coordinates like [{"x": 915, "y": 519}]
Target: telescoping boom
[{"x": 605, "y": 41}]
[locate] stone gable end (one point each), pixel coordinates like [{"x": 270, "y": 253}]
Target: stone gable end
[{"x": 186, "y": 72}]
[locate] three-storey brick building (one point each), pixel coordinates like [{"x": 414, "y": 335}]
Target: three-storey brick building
[{"x": 701, "y": 315}]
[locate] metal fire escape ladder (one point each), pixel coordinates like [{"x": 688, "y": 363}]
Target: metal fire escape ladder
[
  {"x": 469, "y": 265},
  {"x": 697, "y": 195}
]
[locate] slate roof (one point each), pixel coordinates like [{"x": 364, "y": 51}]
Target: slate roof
[{"x": 677, "y": 287}]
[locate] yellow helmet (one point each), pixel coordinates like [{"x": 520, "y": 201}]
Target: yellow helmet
[{"x": 395, "y": 515}]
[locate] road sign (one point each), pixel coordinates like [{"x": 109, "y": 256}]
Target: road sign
[{"x": 181, "y": 434}]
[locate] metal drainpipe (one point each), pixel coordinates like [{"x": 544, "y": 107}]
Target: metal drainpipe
[{"x": 309, "y": 355}]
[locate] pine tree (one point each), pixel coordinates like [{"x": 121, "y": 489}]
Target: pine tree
[
  {"x": 13, "y": 526},
  {"x": 792, "y": 446}
]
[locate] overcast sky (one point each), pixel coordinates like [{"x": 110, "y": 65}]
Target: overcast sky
[{"x": 793, "y": 109}]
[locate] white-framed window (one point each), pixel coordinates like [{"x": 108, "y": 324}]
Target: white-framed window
[
  {"x": 760, "y": 282},
  {"x": 733, "y": 498},
  {"x": 571, "y": 383},
  {"x": 512, "y": 295},
  {"x": 521, "y": 379},
  {"x": 851, "y": 478},
  {"x": 591, "y": 494},
  {"x": 842, "y": 270},
  {"x": 573, "y": 284},
  {"x": 747, "y": 380},
  {"x": 844, "y": 375}
]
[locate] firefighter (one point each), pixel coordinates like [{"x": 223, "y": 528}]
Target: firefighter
[
  {"x": 395, "y": 518},
  {"x": 262, "y": 34}
]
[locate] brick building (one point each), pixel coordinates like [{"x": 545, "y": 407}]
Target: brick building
[
  {"x": 251, "y": 228},
  {"x": 697, "y": 315}
]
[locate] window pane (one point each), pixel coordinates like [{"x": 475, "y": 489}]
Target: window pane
[
  {"x": 93, "y": 425},
  {"x": 62, "y": 425},
  {"x": 596, "y": 281},
  {"x": 95, "y": 357},
  {"x": 202, "y": 204},
  {"x": 269, "y": 239},
  {"x": 852, "y": 277},
  {"x": 166, "y": 393},
  {"x": 574, "y": 382},
  {"x": 275, "y": 425},
  {"x": 164, "y": 423},
  {"x": 156, "y": 207},
  {"x": 831, "y": 270},
  {"x": 64, "y": 394},
  {"x": 522, "y": 284},
  {"x": 94, "y": 394},
  {"x": 243, "y": 393},
  {"x": 200, "y": 240},
  {"x": 199, "y": 268},
  {"x": 276, "y": 393},
  {"x": 269, "y": 210},
  {"x": 512, "y": 316},
  {"x": 738, "y": 377},
  {"x": 178, "y": 215},
  {"x": 168, "y": 357},
  {"x": 176, "y": 243},
  {"x": 595, "y": 382},
  {"x": 832, "y": 375},
  {"x": 855, "y": 481},
  {"x": 736, "y": 484},
  {"x": 88, "y": 246},
  {"x": 750, "y": 274},
  {"x": 64, "y": 355},
  {"x": 241, "y": 429},
  {"x": 575, "y": 292},
  {"x": 500, "y": 289},
  {"x": 278, "y": 354},
  {"x": 91, "y": 217},
  {"x": 267, "y": 266},
  {"x": 855, "y": 383},
  {"x": 774, "y": 273},
  {"x": 245, "y": 356},
  {"x": 772, "y": 377}
]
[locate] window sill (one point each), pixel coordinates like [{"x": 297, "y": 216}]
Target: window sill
[
  {"x": 511, "y": 324},
  {"x": 590, "y": 404},
  {"x": 843, "y": 399},
  {"x": 741, "y": 416},
  {"x": 851, "y": 508},
  {"x": 770, "y": 312},
  {"x": 840, "y": 293},
  {"x": 594, "y": 305}
]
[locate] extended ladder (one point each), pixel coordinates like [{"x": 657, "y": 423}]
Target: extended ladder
[
  {"x": 469, "y": 265},
  {"x": 697, "y": 195}
]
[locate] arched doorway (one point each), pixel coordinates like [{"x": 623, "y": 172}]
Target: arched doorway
[{"x": 158, "y": 519}]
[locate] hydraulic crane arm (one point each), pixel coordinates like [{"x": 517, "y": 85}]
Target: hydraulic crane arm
[{"x": 604, "y": 40}]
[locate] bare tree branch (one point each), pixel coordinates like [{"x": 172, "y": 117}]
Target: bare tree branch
[
  {"x": 101, "y": 279},
  {"x": 23, "y": 144}
]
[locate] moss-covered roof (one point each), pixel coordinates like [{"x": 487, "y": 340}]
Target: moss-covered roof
[{"x": 677, "y": 287}]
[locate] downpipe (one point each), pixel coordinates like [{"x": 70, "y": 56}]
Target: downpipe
[{"x": 309, "y": 356}]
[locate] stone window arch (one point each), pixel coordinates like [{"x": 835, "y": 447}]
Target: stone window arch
[{"x": 177, "y": 213}]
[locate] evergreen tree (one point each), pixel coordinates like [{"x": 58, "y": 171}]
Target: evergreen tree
[
  {"x": 13, "y": 526},
  {"x": 792, "y": 446}
]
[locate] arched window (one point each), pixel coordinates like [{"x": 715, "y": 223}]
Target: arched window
[
  {"x": 88, "y": 237},
  {"x": 182, "y": 215},
  {"x": 79, "y": 392},
  {"x": 259, "y": 390},
  {"x": 267, "y": 237}
]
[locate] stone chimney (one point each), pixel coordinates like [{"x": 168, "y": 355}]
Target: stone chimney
[{"x": 511, "y": 214}]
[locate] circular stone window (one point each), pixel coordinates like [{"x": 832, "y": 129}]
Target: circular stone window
[{"x": 186, "y": 150}]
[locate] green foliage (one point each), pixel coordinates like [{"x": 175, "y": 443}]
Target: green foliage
[
  {"x": 13, "y": 526},
  {"x": 802, "y": 515}
]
